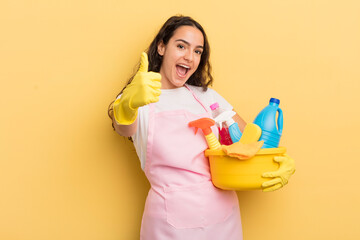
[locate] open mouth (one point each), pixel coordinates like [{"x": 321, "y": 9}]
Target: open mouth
[{"x": 182, "y": 70}]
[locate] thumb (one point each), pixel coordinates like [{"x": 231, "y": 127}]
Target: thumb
[
  {"x": 280, "y": 159},
  {"x": 144, "y": 62}
]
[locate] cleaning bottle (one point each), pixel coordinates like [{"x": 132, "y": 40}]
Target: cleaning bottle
[
  {"x": 224, "y": 134},
  {"x": 233, "y": 127},
  {"x": 270, "y": 126},
  {"x": 205, "y": 125}
]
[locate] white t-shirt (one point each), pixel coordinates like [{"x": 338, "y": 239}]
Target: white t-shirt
[{"x": 174, "y": 99}]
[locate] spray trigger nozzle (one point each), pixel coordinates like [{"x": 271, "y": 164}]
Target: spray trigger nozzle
[
  {"x": 203, "y": 123},
  {"x": 225, "y": 117}
]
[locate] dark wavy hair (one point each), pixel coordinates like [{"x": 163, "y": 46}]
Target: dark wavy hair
[{"x": 201, "y": 77}]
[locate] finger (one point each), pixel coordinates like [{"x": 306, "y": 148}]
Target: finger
[
  {"x": 144, "y": 62},
  {"x": 271, "y": 183},
  {"x": 154, "y": 76},
  {"x": 284, "y": 180},
  {"x": 156, "y": 92},
  {"x": 155, "y": 85},
  {"x": 271, "y": 174},
  {"x": 273, "y": 188},
  {"x": 154, "y": 99},
  {"x": 279, "y": 159}
]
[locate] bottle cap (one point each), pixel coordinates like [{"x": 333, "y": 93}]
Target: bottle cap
[
  {"x": 230, "y": 122},
  {"x": 274, "y": 100},
  {"x": 214, "y": 106}
]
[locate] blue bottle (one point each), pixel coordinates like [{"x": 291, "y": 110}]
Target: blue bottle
[
  {"x": 270, "y": 126},
  {"x": 234, "y": 130}
]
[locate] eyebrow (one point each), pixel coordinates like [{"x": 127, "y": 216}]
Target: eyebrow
[{"x": 187, "y": 43}]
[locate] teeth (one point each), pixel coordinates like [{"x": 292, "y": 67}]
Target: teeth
[{"x": 184, "y": 66}]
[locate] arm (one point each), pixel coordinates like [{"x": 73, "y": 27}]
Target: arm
[
  {"x": 125, "y": 130},
  {"x": 143, "y": 89},
  {"x": 239, "y": 121}
]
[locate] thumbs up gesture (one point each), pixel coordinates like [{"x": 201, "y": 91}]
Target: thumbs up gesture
[{"x": 143, "y": 89}]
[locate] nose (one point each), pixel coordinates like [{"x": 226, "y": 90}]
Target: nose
[{"x": 189, "y": 55}]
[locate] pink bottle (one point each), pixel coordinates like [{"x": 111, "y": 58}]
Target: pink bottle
[{"x": 224, "y": 134}]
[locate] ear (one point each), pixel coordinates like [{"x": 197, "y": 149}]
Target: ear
[{"x": 161, "y": 48}]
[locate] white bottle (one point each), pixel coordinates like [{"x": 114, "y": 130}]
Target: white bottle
[
  {"x": 225, "y": 138},
  {"x": 234, "y": 130}
]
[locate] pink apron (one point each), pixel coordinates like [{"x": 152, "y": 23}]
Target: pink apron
[{"x": 182, "y": 203}]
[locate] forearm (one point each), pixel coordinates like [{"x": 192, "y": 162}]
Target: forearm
[
  {"x": 239, "y": 121},
  {"x": 125, "y": 130}
]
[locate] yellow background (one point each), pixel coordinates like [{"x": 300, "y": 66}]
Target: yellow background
[{"x": 64, "y": 174}]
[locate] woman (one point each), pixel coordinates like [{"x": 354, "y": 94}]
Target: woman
[{"x": 169, "y": 90}]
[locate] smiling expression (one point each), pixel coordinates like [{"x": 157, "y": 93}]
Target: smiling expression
[{"x": 181, "y": 56}]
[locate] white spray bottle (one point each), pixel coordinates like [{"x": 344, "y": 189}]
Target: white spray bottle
[{"x": 234, "y": 129}]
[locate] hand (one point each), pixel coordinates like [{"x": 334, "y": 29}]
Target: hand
[
  {"x": 281, "y": 176},
  {"x": 143, "y": 89}
]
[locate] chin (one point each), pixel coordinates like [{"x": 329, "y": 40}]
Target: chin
[{"x": 179, "y": 82}]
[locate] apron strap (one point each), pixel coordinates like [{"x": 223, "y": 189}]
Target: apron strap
[
  {"x": 152, "y": 105},
  {"x": 196, "y": 98}
]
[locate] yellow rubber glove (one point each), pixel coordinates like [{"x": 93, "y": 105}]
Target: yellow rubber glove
[
  {"x": 143, "y": 89},
  {"x": 281, "y": 176}
]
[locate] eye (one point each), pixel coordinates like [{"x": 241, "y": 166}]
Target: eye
[
  {"x": 180, "y": 46},
  {"x": 198, "y": 52}
]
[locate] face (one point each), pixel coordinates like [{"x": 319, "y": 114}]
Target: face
[{"x": 181, "y": 56}]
